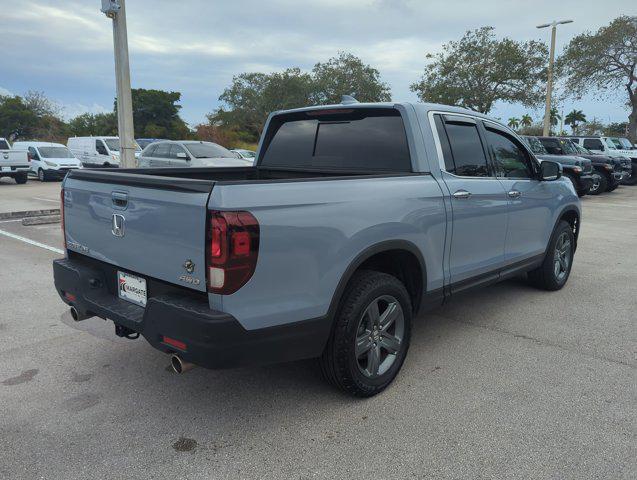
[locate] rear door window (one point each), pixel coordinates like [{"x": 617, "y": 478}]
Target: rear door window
[
  {"x": 593, "y": 144},
  {"x": 4, "y": 145},
  {"x": 349, "y": 139},
  {"x": 464, "y": 155},
  {"x": 162, "y": 150}
]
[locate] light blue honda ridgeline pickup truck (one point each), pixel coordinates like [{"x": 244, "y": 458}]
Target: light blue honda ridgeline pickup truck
[{"x": 353, "y": 219}]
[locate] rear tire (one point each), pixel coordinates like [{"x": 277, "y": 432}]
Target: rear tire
[
  {"x": 600, "y": 183},
  {"x": 558, "y": 261},
  {"x": 371, "y": 334},
  {"x": 21, "y": 178}
]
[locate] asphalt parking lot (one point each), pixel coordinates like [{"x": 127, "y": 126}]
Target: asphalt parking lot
[{"x": 504, "y": 382}]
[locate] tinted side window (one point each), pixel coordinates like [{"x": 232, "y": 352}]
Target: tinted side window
[
  {"x": 444, "y": 144},
  {"x": 4, "y": 145},
  {"x": 593, "y": 143},
  {"x": 100, "y": 147},
  {"x": 33, "y": 153},
  {"x": 174, "y": 150},
  {"x": 359, "y": 140},
  {"x": 511, "y": 160},
  {"x": 162, "y": 150},
  {"x": 150, "y": 151},
  {"x": 466, "y": 148},
  {"x": 552, "y": 146}
]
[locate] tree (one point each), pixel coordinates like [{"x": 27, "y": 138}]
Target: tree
[
  {"x": 605, "y": 61},
  {"x": 479, "y": 70},
  {"x": 592, "y": 127},
  {"x": 526, "y": 120},
  {"x": 616, "y": 129},
  {"x": 555, "y": 117},
  {"x": 252, "y": 96},
  {"x": 574, "y": 118},
  {"x": 89, "y": 124},
  {"x": 346, "y": 74},
  {"x": 513, "y": 123},
  {"x": 17, "y": 120},
  {"x": 156, "y": 114}
]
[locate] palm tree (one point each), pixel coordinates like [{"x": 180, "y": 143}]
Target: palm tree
[
  {"x": 574, "y": 118},
  {"x": 526, "y": 120},
  {"x": 513, "y": 123},
  {"x": 555, "y": 117}
]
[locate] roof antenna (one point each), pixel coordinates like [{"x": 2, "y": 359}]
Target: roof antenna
[{"x": 348, "y": 100}]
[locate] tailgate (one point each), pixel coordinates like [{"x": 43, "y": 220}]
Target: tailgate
[
  {"x": 14, "y": 158},
  {"x": 149, "y": 225}
]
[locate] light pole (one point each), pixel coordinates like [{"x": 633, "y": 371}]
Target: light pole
[
  {"x": 115, "y": 9},
  {"x": 549, "y": 83}
]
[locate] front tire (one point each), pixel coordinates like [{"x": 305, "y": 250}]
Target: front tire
[
  {"x": 558, "y": 261},
  {"x": 600, "y": 183},
  {"x": 41, "y": 175},
  {"x": 371, "y": 335}
]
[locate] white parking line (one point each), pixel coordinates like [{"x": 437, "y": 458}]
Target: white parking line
[
  {"x": 31, "y": 242},
  {"x": 46, "y": 199}
]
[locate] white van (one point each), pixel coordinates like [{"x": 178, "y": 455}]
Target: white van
[
  {"x": 97, "y": 151},
  {"x": 49, "y": 160}
]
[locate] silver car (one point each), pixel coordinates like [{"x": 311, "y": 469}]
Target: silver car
[{"x": 189, "y": 153}]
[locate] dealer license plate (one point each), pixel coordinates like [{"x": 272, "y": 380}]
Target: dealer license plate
[{"x": 132, "y": 288}]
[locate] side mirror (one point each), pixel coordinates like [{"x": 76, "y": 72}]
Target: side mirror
[
  {"x": 550, "y": 171},
  {"x": 601, "y": 148},
  {"x": 182, "y": 155}
]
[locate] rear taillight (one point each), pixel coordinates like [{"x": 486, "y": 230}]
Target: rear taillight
[
  {"x": 232, "y": 250},
  {"x": 62, "y": 216}
]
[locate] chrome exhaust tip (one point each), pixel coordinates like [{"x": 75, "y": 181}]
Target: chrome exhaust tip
[
  {"x": 179, "y": 365},
  {"x": 78, "y": 317}
]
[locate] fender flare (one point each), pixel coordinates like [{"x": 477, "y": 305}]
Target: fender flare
[
  {"x": 366, "y": 255},
  {"x": 565, "y": 210}
]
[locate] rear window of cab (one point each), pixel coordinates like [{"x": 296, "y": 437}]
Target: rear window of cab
[{"x": 340, "y": 139}]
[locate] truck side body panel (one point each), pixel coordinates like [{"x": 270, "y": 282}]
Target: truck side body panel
[{"x": 311, "y": 231}]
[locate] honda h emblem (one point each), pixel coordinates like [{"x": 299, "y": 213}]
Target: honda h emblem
[{"x": 118, "y": 225}]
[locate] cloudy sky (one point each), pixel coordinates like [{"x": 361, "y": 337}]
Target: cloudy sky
[{"x": 65, "y": 48}]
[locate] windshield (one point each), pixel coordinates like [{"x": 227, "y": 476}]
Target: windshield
[
  {"x": 247, "y": 153},
  {"x": 113, "y": 145},
  {"x": 626, "y": 143},
  {"x": 568, "y": 146},
  {"x": 55, "y": 152},
  {"x": 609, "y": 142},
  {"x": 535, "y": 145},
  {"x": 581, "y": 149},
  {"x": 208, "y": 150}
]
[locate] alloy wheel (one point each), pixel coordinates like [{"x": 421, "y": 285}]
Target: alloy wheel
[
  {"x": 562, "y": 257},
  {"x": 379, "y": 336}
]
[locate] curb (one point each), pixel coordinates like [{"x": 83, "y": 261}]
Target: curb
[
  {"x": 43, "y": 220},
  {"x": 29, "y": 213}
]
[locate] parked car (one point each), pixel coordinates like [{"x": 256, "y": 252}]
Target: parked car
[
  {"x": 49, "y": 160},
  {"x": 612, "y": 147},
  {"x": 607, "y": 172},
  {"x": 144, "y": 142},
  {"x": 189, "y": 153},
  {"x": 246, "y": 154},
  {"x": 577, "y": 169},
  {"x": 13, "y": 163},
  {"x": 97, "y": 151},
  {"x": 354, "y": 218}
]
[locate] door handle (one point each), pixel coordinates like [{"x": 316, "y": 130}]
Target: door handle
[
  {"x": 514, "y": 194},
  {"x": 461, "y": 194}
]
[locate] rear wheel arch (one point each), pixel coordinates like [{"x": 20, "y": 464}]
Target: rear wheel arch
[{"x": 399, "y": 258}]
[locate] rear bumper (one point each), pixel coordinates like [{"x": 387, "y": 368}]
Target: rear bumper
[
  {"x": 213, "y": 339},
  {"x": 14, "y": 169}
]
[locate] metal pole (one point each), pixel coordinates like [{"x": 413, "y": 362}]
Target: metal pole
[
  {"x": 124, "y": 99},
  {"x": 549, "y": 85}
]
